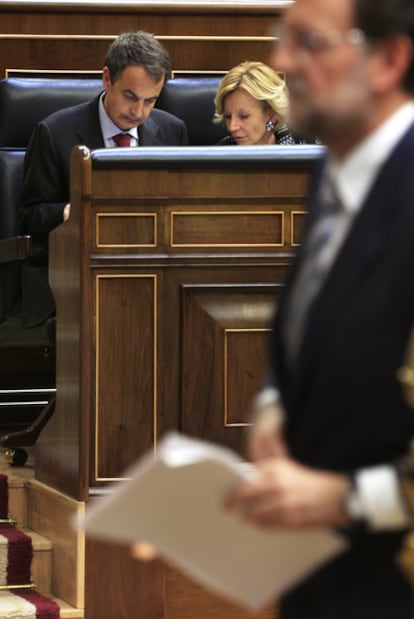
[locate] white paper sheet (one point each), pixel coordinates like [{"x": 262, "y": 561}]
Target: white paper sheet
[{"x": 173, "y": 500}]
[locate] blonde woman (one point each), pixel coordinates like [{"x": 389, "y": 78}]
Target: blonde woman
[{"x": 252, "y": 103}]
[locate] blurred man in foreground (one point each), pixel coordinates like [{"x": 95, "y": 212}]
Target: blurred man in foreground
[{"x": 333, "y": 419}]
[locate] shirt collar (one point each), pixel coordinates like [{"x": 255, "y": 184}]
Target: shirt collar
[
  {"x": 355, "y": 175},
  {"x": 109, "y": 128}
]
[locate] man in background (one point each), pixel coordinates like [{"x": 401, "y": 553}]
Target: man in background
[
  {"x": 135, "y": 70},
  {"x": 333, "y": 419}
]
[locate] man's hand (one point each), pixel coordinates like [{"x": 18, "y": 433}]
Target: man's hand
[
  {"x": 66, "y": 212},
  {"x": 265, "y": 439},
  {"x": 283, "y": 493},
  {"x": 144, "y": 551}
]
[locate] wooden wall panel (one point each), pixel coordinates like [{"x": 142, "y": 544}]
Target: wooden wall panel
[
  {"x": 126, "y": 304},
  {"x": 71, "y": 53},
  {"x": 75, "y": 36},
  {"x": 224, "y": 335}
]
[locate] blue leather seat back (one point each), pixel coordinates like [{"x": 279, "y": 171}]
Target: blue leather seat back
[
  {"x": 192, "y": 99},
  {"x": 11, "y": 172},
  {"x": 25, "y": 101}
]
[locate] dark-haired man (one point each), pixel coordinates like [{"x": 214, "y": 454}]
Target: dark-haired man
[
  {"x": 135, "y": 70},
  {"x": 333, "y": 420}
]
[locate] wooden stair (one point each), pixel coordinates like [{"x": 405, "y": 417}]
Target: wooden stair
[{"x": 58, "y": 550}]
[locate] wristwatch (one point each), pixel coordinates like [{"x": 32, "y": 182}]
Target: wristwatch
[{"x": 353, "y": 505}]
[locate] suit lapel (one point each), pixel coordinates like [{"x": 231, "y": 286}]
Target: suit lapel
[
  {"x": 366, "y": 241},
  {"x": 148, "y": 133},
  {"x": 89, "y": 130}
]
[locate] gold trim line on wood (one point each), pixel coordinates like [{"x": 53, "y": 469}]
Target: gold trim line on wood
[
  {"x": 158, "y": 4},
  {"x": 12, "y": 587},
  {"x": 8, "y": 521},
  {"x": 98, "y": 278},
  {"x": 12, "y": 72},
  {"x": 219, "y": 213},
  {"x": 292, "y": 227},
  {"x": 111, "y": 37},
  {"x": 120, "y": 245},
  {"x": 225, "y": 377},
  {"x": 97, "y": 73}
]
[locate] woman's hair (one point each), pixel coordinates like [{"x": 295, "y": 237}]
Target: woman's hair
[{"x": 260, "y": 81}]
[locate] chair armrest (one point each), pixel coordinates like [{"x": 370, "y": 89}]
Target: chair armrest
[{"x": 15, "y": 248}]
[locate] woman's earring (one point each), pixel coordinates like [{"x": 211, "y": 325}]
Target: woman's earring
[{"x": 270, "y": 125}]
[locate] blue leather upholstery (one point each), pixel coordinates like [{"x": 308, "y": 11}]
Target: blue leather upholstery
[{"x": 25, "y": 101}]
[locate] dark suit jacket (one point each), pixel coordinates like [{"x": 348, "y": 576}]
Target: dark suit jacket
[
  {"x": 345, "y": 405},
  {"x": 46, "y": 186}
]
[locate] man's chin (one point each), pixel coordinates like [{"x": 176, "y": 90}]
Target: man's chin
[{"x": 127, "y": 125}]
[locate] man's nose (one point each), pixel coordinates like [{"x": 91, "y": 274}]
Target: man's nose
[
  {"x": 137, "y": 109},
  {"x": 281, "y": 58}
]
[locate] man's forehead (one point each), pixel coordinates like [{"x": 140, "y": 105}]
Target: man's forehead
[
  {"x": 322, "y": 14},
  {"x": 136, "y": 79}
]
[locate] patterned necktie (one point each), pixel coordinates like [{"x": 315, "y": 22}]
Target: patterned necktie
[
  {"x": 318, "y": 251},
  {"x": 122, "y": 139}
]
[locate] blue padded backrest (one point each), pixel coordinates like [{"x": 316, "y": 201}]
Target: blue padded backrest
[
  {"x": 25, "y": 101},
  {"x": 11, "y": 173},
  {"x": 191, "y": 98}
]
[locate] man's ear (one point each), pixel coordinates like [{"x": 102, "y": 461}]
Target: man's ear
[
  {"x": 393, "y": 57},
  {"x": 106, "y": 78}
]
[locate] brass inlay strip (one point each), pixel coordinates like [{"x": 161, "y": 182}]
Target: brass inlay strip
[
  {"x": 120, "y": 245},
  {"x": 9, "y": 72},
  {"x": 225, "y": 377},
  {"x": 177, "y": 214},
  {"x": 165, "y": 4},
  {"x": 96, "y": 73},
  {"x": 30, "y": 585},
  {"x": 111, "y": 37},
  {"x": 292, "y": 226},
  {"x": 154, "y": 420}
]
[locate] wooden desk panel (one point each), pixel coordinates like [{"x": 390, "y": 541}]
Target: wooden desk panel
[
  {"x": 155, "y": 334},
  {"x": 165, "y": 302}
]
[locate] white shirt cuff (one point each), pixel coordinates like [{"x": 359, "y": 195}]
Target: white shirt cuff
[
  {"x": 381, "y": 500},
  {"x": 265, "y": 397}
]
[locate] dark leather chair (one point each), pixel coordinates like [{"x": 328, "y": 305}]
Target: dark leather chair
[
  {"x": 27, "y": 356},
  {"x": 191, "y": 98},
  {"x": 25, "y": 101},
  {"x": 27, "y": 373}
]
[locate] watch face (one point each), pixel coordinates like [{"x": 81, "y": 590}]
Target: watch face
[{"x": 353, "y": 506}]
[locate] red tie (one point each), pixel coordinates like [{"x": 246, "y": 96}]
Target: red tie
[{"x": 122, "y": 139}]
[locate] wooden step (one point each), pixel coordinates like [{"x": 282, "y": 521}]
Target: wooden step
[
  {"x": 18, "y": 500},
  {"x": 67, "y": 611},
  {"x": 57, "y": 549},
  {"x": 42, "y": 574},
  {"x": 42, "y": 562}
]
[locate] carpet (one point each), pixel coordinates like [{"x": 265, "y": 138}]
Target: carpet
[{"x": 18, "y": 599}]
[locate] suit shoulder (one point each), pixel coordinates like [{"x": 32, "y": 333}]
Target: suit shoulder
[
  {"x": 71, "y": 113},
  {"x": 161, "y": 116}
]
